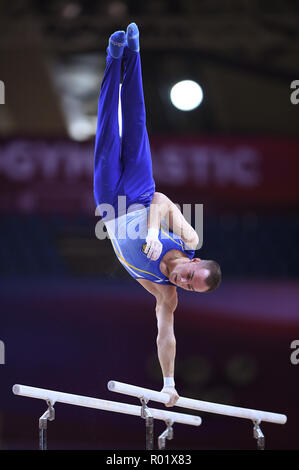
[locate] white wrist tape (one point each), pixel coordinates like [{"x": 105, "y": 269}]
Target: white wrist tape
[
  {"x": 153, "y": 234},
  {"x": 169, "y": 382}
]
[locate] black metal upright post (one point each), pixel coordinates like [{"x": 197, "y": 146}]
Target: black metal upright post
[
  {"x": 167, "y": 434},
  {"x": 43, "y": 438},
  {"x": 258, "y": 435},
  {"x": 149, "y": 425},
  {"x": 49, "y": 415}
]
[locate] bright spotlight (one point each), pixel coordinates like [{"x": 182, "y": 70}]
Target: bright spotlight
[{"x": 186, "y": 95}]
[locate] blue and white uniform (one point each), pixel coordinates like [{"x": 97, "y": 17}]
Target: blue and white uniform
[
  {"x": 123, "y": 167},
  {"x": 129, "y": 250}
]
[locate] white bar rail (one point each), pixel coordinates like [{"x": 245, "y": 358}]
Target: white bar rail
[
  {"x": 254, "y": 415},
  {"x": 88, "y": 402}
]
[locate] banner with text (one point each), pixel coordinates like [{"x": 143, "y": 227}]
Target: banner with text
[{"x": 57, "y": 175}]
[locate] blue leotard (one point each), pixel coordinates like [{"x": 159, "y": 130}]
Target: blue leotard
[{"x": 128, "y": 233}]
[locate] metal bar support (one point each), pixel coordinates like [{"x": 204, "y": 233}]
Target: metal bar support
[
  {"x": 167, "y": 434},
  {"x": 258, "y": 435},
  {"x": 48, "y": 415},
  {"x": 149, "y": 424}
]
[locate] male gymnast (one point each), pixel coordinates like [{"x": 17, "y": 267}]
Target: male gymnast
[{"x": 162, "y": 257}]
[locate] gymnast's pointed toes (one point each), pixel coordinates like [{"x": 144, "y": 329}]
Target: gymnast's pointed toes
[
  {"x": 117, "y": 42},
  {"x": 133, "y": 37}
]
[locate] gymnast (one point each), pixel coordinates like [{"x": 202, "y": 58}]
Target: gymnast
[{"x": 159, "y": 244}]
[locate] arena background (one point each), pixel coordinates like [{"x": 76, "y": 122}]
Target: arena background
[{"x": 71, "y": 317}]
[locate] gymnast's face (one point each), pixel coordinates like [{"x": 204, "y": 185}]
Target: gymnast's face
[{"x": 190, "y": 275}]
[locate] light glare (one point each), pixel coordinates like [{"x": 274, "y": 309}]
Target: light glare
[{"x": 186, "y": 95}]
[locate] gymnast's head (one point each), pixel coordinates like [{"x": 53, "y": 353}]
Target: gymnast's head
[{"x": 197, "y": 275}]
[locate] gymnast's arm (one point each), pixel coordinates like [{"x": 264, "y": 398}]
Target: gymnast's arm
[
  {"x": 166, "y": 303},
  {"x": 163, "y": 208}
]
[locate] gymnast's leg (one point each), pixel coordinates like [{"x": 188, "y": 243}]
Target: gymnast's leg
[
  {"x": 107, "y": 164},
  {"x": 137, "y": 180}
]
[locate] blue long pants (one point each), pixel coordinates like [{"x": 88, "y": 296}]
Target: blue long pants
[{"x": 122, "y": 167}]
